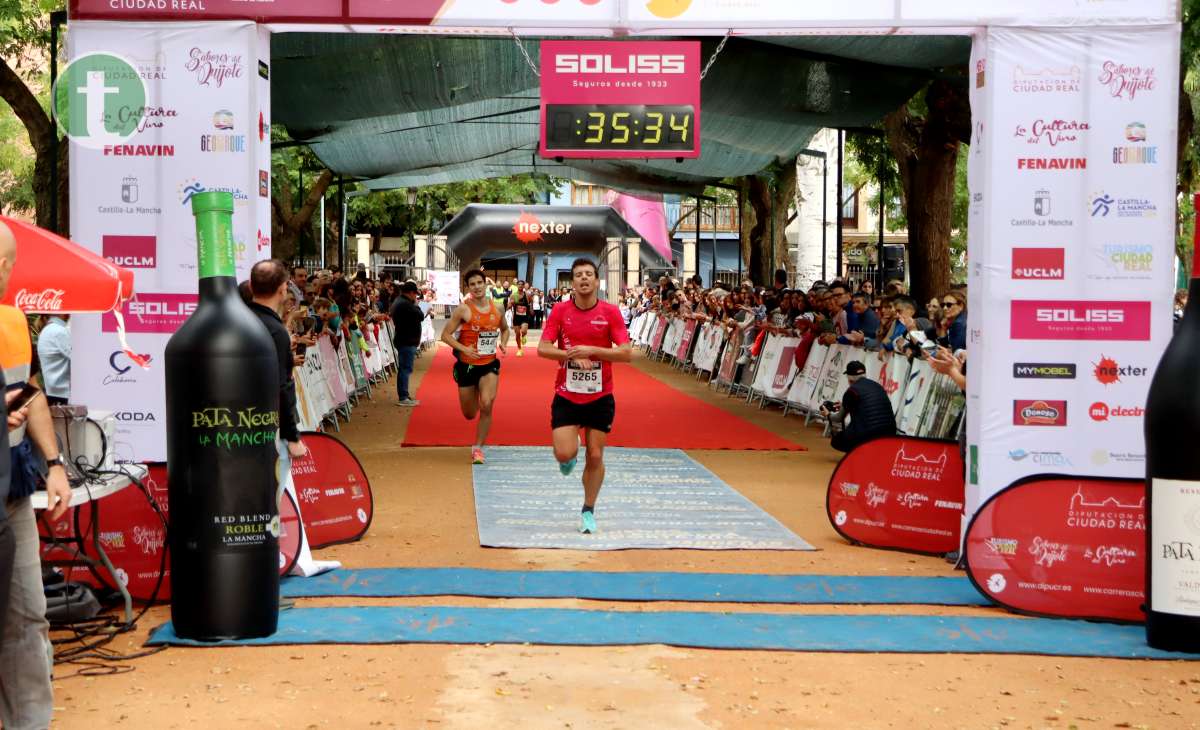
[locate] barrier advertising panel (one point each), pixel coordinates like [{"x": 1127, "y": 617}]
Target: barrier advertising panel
[
  {"x": 133, "y": 537},
  {"x": 900, "y": 493},
  {"x": 333, "y": 491},
  {"x": 1063, "y": 546}
]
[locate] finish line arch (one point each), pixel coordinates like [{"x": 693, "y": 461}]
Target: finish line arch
[
  {"x": 1071, "y": 172},
  {"x": 597, "y": 231}
]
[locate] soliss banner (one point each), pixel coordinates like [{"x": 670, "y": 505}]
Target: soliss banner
[
  {"x": 1061, "y": 546},
  {"x": 333, "y": 491},
  {"x": 900, "y": 493}
]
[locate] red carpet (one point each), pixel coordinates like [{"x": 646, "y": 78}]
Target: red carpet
[{"x": 650, "y": 414}]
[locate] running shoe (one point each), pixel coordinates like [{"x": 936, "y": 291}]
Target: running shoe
[
  {"x": 476, "y": 455},
  {"x": 520, "y": 352},
  {"x": 587, "y": 522},
  {"x": 567, "y": 467}
]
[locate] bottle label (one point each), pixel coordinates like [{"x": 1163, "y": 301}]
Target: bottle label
[
  {"x": 214, "y": 244},
  {"x": 1175, "y": 547}
]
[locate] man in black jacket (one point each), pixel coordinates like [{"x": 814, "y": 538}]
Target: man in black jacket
[
  {"x": 867, "y": 405},
  {"x": 268, "y": 287},
  {"x": 407, "y": 318}
]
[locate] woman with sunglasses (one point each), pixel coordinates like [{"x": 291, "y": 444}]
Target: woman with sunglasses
[{"x": 954, "y": 322}]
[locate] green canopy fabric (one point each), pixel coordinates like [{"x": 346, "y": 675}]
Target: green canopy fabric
[{"x": 400, "y": 111}]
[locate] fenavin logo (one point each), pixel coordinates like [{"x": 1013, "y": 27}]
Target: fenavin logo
[
  {"x": 93, "y": 99},
  {"x": 1049, "y": 371}
]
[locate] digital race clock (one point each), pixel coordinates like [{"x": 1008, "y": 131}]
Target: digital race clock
[
  {"x": 631, "y": 99},
  {"x": 620, "y": 127}
]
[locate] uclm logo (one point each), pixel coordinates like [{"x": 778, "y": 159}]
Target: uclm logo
[
  {"x": 633, "y": 64},
  {"x": 1038, "y": 263},
  {"x": 132, "y": 252},
  {"x": 1080, "y": 320},
  {"x": 1039, "y": 413}
]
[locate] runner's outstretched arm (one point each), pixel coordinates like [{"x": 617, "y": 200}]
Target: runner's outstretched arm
[
  {"x": 452, "y": 325},
  {"x": 504, "y": 333},
  {"x": 620, "y": 353}
]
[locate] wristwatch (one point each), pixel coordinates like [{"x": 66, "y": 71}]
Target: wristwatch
[{"x": 56, "y": 461}]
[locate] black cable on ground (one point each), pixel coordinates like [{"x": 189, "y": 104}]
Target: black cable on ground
[{"x": 86, "y": 646}]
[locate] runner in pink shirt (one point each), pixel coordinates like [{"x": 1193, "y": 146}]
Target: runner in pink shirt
[{"x": 587, "y": 336}]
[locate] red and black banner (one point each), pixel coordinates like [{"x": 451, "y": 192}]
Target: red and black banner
[
  {"x": 900, "y": 493},
  {"x": 133, "y": 537},
  {"x": 1071, "y": 547},
  {"x": 333, "y": 492}
]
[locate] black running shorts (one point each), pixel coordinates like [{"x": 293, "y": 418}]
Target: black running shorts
[
  {"x": 467, "y": 376},
  {"x": 597, "y": 414},
  {"x": 520, "y": 319}
]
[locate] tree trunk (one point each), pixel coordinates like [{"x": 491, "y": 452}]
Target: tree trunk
[
  {"x": 1185, "y": 180},
  {"x": 784, "y": 199},
  {"x": 745, "y": 224},
  {"x": 41, "y": 133},
  {"x": 926, "y": 151},
  {"x": 760, "y": 235},
  {"x": 286, "y": 224}
]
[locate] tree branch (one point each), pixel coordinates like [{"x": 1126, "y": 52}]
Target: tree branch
[{"x": 16, "y": 92}]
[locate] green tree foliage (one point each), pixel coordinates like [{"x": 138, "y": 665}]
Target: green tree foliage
[
  {"x": 26, "y": 129},
  {"x": 428, "y": 208}
]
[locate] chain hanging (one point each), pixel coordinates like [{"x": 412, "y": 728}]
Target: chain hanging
[
  {"x": 713, "y": 57},
  {"x": 525, "y": 53}
]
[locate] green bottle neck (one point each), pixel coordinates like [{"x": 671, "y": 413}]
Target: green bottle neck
[{"x": 214, "y": 245}]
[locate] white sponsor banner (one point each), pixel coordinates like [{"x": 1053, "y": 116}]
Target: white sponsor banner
[
  {"x": 130, "y": 201},
  {"x": 445, "y": 286},
  {"x": 1072, "y": 221},
  {"x": 708, "y": 347},
  {"x": 673, "y": 337},
  {"x": 776, "y": 366},
  {"x": 804, "y": 386},
  {"x": 776, "y": 15}
]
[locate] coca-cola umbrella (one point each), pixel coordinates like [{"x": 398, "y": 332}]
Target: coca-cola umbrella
[{"x": 55, "y": 276}]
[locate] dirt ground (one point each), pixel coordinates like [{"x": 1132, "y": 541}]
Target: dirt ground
[{"x": 424, "y": 516}]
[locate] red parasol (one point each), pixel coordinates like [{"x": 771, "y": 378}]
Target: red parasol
[{"x": 55, "y": 276}]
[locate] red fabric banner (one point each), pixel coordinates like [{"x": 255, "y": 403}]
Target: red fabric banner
[
  {"x": 334, "y": 494},
  {"x": 900, "y": 493},
  {"x": 1063, "y": 546}
]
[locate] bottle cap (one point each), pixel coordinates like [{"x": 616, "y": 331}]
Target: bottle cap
[{"x": 212, "y": 201}]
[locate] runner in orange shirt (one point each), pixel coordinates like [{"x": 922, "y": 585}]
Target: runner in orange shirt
[{"x": 475, "y": 331}]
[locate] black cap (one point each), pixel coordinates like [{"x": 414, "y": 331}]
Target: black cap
[
  {"x": 854, "y": 367},
  {"x": 408, "y": 288}
]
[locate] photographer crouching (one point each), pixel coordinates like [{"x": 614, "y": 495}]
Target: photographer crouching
[{"x": 867, "y": 406}]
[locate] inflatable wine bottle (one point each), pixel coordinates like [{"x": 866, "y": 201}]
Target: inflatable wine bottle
[
  {"x": 222, "y": 418},
  {"x": 1173, "y": 485}
]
